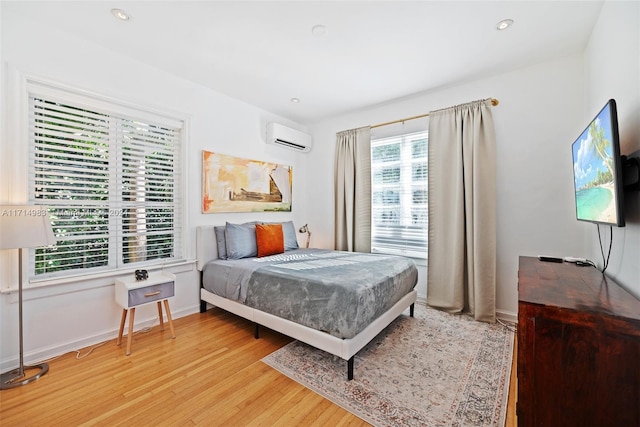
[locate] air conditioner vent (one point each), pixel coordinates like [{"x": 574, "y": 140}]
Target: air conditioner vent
[{"x": 286, "y": 137}]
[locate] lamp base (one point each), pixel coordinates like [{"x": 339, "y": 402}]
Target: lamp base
[{"x": 13, "y": 378}]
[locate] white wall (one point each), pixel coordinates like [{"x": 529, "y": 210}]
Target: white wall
[
  {"x": 72, "y": 315},
  {"x": 542, "y": 110},
  {"x": 612, "y": 65},
  {"x": 539, "y": 115}
]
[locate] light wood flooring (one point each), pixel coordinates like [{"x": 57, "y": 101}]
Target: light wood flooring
[{"x": 210, "y": 375}]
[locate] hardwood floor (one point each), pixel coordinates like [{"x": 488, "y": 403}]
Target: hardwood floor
[
  {"x": 511, "y": 420},
  {"x": 210, "y": 374}
]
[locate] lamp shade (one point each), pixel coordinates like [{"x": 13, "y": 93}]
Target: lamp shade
[{"x": 25, "y": 226}]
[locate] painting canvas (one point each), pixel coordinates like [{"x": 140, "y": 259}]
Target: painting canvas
[{"x": 234, "y": 184}]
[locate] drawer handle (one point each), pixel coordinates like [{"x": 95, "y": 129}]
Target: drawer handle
[{"x": 152, "y": 294}]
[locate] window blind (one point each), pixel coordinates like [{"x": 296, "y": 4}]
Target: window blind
[
  {"x": 399, "y": 199},
  {"x": 110, "y": 181}
]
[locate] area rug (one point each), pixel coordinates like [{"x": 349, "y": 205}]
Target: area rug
[{"x": 435, "y": 369}]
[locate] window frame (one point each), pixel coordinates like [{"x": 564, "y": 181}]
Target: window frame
[
  {"x": 55, "y": 92},
  {"x": 405, "y": 230}
]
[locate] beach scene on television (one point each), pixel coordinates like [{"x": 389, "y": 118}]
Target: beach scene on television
[{"x": 593, "y": 166}]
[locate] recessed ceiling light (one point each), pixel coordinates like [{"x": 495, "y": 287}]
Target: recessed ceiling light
[
  {"x": 295, "y": 100},
  {"x": 319, "y": 31},
  {"x": 504, "y": 24},
  {"x": 120, "y": 14}
]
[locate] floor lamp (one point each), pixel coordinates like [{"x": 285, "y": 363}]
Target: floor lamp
[{"x": 23, "y": 227}]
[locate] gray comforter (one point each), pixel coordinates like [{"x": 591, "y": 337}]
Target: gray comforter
[{"x": 332, "y": 291}]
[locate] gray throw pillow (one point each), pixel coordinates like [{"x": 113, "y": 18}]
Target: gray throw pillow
[
  {"x": 221, "y": 241},
  {"x": 241, "y": 240},
  {"x": 290, "y": 239}
]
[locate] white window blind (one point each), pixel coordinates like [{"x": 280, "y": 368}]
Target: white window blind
[
  {"x": 111, "y": 182},
  {"x": 399, "y": 201}
]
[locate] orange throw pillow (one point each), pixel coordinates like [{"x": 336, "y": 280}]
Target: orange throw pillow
[{"x": 270, "y": 239}]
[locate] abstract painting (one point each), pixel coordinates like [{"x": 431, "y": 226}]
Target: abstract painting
[{"x": 234, "y": 184}]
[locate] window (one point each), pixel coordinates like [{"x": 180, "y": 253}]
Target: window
[
  {"x": 111, "y": 178},
  {"x": 399, "y": 201}
]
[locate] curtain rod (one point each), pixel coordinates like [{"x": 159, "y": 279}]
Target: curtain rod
[{"x": 494, "y": 102}]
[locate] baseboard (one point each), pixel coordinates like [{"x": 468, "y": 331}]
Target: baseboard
[
  {"x": 48, "y": 353},
  {"x": 507, "y": 316}
]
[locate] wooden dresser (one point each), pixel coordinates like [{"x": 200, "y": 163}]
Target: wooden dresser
[{"x": 578, "y": 347}]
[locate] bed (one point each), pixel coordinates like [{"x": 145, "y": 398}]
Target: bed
[{"x": 335, "y": 301}]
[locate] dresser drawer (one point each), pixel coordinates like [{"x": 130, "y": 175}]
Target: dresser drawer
[{"x": 151, "y": 293}]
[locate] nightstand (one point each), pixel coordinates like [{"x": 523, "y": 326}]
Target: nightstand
[{"x": 131, "y": 293}]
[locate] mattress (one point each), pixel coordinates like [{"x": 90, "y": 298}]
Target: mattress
[{"x": 332, "y": 291}]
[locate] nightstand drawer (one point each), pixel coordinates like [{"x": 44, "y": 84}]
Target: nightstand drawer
[
  {"x": 132, "y": 293},
  {"x": 151, "y": 293}
]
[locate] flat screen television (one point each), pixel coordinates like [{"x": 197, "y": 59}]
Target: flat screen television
[{"x": 597, "y": 170}]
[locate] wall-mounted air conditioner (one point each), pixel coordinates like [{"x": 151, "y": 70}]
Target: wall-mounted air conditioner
[{"x": 284, "y": 136}]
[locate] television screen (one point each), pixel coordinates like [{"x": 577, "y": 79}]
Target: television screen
[{"x": 597, "y": 171}]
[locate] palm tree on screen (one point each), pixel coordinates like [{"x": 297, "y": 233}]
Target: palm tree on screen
[{"x": 599, "y": 145}]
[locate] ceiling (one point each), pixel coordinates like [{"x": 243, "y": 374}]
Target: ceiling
[{"x": 264, "y": 52}]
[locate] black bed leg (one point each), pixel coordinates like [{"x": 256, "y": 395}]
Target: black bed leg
[
  {"x": 411, "y": 307},
  {"x": 203, "y": 303},
  {"x": 256, "y": 331},
  {"x": 350, "y": 368}
]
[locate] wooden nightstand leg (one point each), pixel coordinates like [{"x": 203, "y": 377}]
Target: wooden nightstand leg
[
  {"x": 160, "y": 316},
  {"x": 166, "y": 308},
  {"x": 132, "y": 315},
  {"x": 122, "y": 320}
]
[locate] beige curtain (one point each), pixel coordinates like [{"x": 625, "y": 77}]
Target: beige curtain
[
  {"x": 462, "y": 210},
  {"x": 353, "y": 190}
]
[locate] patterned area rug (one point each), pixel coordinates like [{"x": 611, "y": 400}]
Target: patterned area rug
[{"x": 435, "y": 369}]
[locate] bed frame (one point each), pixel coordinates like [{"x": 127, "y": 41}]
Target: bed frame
[{"x": 345, "y": 348}]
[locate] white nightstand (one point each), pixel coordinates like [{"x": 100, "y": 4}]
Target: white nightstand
[{"x": 131, "y": 293}]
